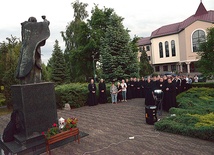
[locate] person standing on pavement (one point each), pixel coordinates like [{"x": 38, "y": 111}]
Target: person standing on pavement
[
  {"x": 102, "y": 92},
  {"x": 113, "y": 92},
  {"x": 92, "y": 99},
  {"x": 124, "y": 86},
  {"x": 119, "y": 92}
]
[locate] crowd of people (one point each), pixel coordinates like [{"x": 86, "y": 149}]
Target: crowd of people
[{"x": 128, "y": 89}]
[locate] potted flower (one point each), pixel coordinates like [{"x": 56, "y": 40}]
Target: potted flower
[{"x": 64, "y": 130}]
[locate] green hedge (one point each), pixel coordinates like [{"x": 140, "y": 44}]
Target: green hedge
[
  {"x": 75, "y": 94},
  {"x": 194, "y": 116},
  {"x": 203, "y": 84}
]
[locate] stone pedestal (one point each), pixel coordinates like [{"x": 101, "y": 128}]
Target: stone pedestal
[{"x": 36, "y": 106}]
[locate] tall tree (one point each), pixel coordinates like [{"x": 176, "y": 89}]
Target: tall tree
[
  {"x": 58, "y": 66},
  {"x": 118, "y": 58},
  {"x": 76, "y": 37},
  {"x": 144, "y": 65},
  {"x": 9, "y": 52},
  {"x": 206, "y": 62}
]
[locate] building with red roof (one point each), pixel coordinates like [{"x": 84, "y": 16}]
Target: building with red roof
[{"x": 174, "y": 47}]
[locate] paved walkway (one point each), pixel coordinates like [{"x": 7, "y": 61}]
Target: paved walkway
[{"x": 110, "y": 126}]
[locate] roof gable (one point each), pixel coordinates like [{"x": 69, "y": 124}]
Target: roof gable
[
  {"x": 201, "y": 15},
  {"x": 201, "y": 10}
]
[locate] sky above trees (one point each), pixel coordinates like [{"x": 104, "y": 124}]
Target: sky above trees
[{"x": 141, "y": 17}]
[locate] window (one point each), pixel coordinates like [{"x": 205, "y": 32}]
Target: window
[
  {"x": 157, "y": 68},
  {"x": 149, "y": 58},
  {"x": 173, "y": 48},
  {"x": 140, "y": 49},
  {"x": 161, "y": 49},
  {"x": 147, "y": 48},
  {"x": 165, "y": 68},
  {"x": 198, "y": 37},
  {"x": 173, "y": 68},
  {"x": 167, "y": 48}
]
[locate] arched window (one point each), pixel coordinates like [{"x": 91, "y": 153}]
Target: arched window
[
  {"x": 198, "y": 37},
  {"x": 173, "y": 48},
  {"x": 161, "y": 49},
  {"x": 167, "y": 48}
]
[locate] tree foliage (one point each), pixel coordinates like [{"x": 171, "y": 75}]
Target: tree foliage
[
  {"x": 83, "y": 44},
  {"x": 206, "y": 62},
  {"x": 9, "y": 51},
  {"x": 77, "y": 53},
  {"x": 118, "y": 57},
  {"x": 57, "y": 65},
  {"x": 145, "y": 67}
]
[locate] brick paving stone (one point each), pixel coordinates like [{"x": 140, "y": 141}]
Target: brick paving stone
[{"x": 110, "y": 126}]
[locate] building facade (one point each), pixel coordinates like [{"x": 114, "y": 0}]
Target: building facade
[{"x": 175, "y": 47}]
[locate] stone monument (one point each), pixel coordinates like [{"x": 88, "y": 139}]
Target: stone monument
[{"x": 33, "y": 100}]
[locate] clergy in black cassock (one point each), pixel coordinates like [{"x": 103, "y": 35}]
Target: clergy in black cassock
[
  {"x": 149, "y": 88},
  {"x": 128, "y": 90},
  {"x": 170, "y": 95},
  {"x": 142, "y": 84},
  {"x": 102, "y": 92},
  {"x": 92, "y": 99},
  {"x": 138, "y": 88}
]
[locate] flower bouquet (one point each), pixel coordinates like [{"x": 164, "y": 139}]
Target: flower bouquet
[
  {"x": 65, "y": 125},
  {"x": 66, "y": 128}
]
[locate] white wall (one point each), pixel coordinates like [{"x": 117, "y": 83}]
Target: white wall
[{"x": 155, "y": 49}]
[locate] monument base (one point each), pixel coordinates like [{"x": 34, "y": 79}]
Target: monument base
[
  {"x": 33, "y": 147},
  {"x": 36, "y": 106}
]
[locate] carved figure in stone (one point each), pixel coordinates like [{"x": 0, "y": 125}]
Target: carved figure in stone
[{"x": 34, "y": 35}]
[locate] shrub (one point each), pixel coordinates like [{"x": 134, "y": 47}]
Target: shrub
[
  {"x": 194, "y": 116},
  {"x": 203, "y": 84},
  {"x": 75, "y": 94}
]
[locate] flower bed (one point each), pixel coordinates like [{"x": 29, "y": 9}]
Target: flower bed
[{"x": 66, "y": 129}]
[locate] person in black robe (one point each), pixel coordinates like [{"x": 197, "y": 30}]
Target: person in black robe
[
  {"x": 155, "y": 82},
  {"x": 132, "y": 86},
  {"x": 183, "y": 84},
  {"x": 142, "y": 85},
  {"x": 138, "y": 88},
  {"x": 170, "y": 95},
  {"x": 149, "y": 99},
  {"x": 128, "y": 90},
  {"x": 160, "y": 84},
  {"x": 102, "y": 92},
  {"x": 92, "y": 99},
  {"x": 119, "y": 93}
]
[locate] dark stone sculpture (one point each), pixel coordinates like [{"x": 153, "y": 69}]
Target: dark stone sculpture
[{"x": 34, "y": 35}]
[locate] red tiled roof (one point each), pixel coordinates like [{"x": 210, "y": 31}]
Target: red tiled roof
[
  {"x": 201, "y": 15},
  {"x": 144, "y": 41}
]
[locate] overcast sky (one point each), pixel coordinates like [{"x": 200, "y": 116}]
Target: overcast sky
[{"x": 141, "y": 17}]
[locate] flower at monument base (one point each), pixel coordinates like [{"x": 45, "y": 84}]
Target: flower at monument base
[
  {"x": 52, "y": 131},
  {"x": 69, "y": 124}
]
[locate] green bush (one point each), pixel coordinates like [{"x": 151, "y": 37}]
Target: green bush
[
  {"x": 75, "y": 94},
  {"x": 203, "y": 84},
  {"x": 194, "y": 116}
]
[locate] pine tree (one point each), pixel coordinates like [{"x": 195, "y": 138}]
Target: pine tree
[
  {"x": 118, "y": 59},
  {"x": 57, "y": 65},
  {"x": 145, "y": 67}
]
